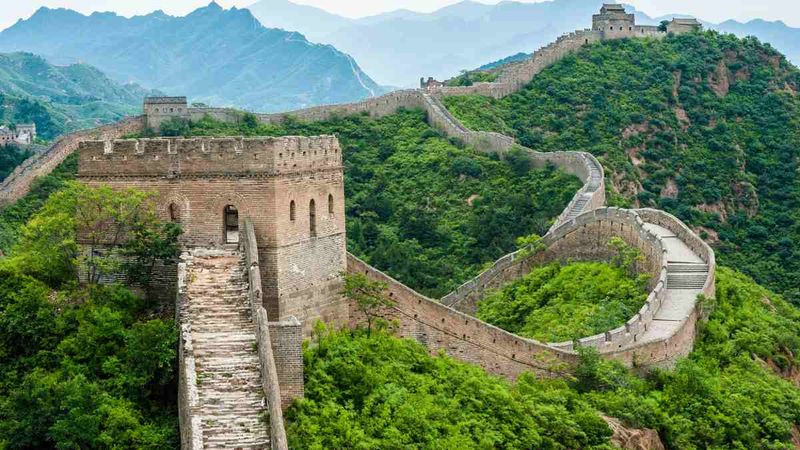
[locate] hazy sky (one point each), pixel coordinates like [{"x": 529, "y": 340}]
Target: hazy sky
[{"x": 712, "y": 10}]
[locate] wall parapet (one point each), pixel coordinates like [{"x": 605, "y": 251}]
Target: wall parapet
[
  {"x": 440, "y": 327},
  {"x": 203, "y": 156},
  {"x": 269, "y": 372},
  {"x": 188, "y": 397},
  {"x": 606, "y": 222}
]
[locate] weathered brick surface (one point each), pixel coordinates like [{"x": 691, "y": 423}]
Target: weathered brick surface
[
  {"x": 196, "y": 179},
  {"x": 287, "y": 349}
]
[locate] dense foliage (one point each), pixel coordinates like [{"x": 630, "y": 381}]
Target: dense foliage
[
  {"x": 427, "y": 211},
  {"x": 705, "y": 126},
  {"x": 10, "y": 157},
  {"x": 384, "y": 392},
  {"x": 14, "y": 216},
  {"x": 82, "y": 366},
  {"x": 556, "y": 303}
]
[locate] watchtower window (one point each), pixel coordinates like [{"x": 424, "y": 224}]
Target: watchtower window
[
  {"x": 312, "y": 218},
  {"x": 231, "y": 221},
  {"x": 330, "y": 204},
  {"x": 292, "y": 211},
  {"x": 174, "y": 213}
]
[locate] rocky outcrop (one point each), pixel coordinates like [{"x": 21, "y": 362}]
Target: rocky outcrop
[{"x": 633, "y": 438}]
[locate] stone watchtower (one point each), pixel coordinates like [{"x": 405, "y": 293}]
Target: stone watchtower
[
  {"x": 613, "y": 21},
  {"x": 290, "y": 187},
  {"x": 161, "y": 109}
]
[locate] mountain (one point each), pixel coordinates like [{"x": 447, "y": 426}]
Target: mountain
[
  {"x": 62, "y": 98},
  {"x": 316, "y": 23},
  {"x": 213, "y": 55},
  {"x": 399, "y": 47},
  {"x": 705, "y": 126}
]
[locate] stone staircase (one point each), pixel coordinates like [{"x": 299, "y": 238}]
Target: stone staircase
[
  {"x": 230, "y": 394},
  {"x": 577, "y": 208},
  {"x": 686, "y": 275}
]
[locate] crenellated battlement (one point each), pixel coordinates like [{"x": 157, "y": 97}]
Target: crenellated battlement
[{"x": 177, "y": 157}]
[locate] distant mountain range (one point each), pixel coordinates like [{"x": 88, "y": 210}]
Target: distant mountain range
[
  {"x": 399, "y": 47},
  {"x": 217, "y": 56},
  {"x": 60, "y": 99}
]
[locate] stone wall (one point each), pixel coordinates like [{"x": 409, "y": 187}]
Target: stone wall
[
  {"x": 461, "y": 336},
  {"x": 269, "y": 372},
  {"x": 18, "y": 183},
  {"x": 287, "y": 350},
  {"x": 583, "y": 239},
  {"x": 273, "y": 181},
  {"x": 188, "y": 398}
]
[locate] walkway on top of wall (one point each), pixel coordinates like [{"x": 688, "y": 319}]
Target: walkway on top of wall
[{"x": 686, "y": 273}]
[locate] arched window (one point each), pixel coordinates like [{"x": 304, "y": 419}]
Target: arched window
[
  {"x": 174, "y": 213},
  {"x": 292, "y": 211},
  {"x": 330, "y": 203},
  {"x": 230, "y": 217},
  {"x": 312, "y": 218}
]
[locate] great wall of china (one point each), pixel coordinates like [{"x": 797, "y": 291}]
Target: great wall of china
[{"x": 234, "y": 285}]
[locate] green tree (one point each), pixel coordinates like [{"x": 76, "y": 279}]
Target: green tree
[
  {"x": 147, "y": 245},
  {"x": 368, "y": 295}
]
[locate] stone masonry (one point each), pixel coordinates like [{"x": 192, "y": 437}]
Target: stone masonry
[
  {"x": 230, "y": 401},
  {"x": 290, "y": 187}
]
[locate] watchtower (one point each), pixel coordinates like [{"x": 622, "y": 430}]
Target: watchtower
[
  {"x": 613, "y": 21},
  {"x": 161, "y": 109},
  {"x": 290, "y": 187}
]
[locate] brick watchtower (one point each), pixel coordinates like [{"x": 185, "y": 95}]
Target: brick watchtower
[{"x": 291, "y": 187}]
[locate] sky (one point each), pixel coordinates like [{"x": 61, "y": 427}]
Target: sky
[{"x": 710, "y": 10}]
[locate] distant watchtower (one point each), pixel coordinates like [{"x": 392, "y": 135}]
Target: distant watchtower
[
  {"x": 613, "y": 21},
  {"x": 161, "y": 109}
]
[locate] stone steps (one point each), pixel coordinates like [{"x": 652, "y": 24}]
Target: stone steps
[{"x": 230, "y": 390}]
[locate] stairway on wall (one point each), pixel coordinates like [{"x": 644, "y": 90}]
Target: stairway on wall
[
  {"x": 686, "y": 275},
  {"x": 230, "y": 395}
]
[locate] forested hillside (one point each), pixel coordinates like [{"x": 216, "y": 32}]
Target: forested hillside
[
  {"x": 428, "y": 211},
  {"x": 59, "y": 99},
  {"x": 705, "y": 126}
]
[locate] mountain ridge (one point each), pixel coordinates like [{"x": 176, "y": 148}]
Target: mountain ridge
[
  {"x": 215, "y": 55},
  {"x": 62, "y": 98},
  {"x": 399, "y": 47}
]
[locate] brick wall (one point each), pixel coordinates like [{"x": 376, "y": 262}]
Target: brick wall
[
  {"x": 196, "y": 179},
  {"x": 18, "y": 183},
  {"x": 287, "y": 349},
  {"x": 461, "y": 336}
]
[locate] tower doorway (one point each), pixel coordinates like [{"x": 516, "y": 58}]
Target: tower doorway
[{"x": 231, "y": 220}]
